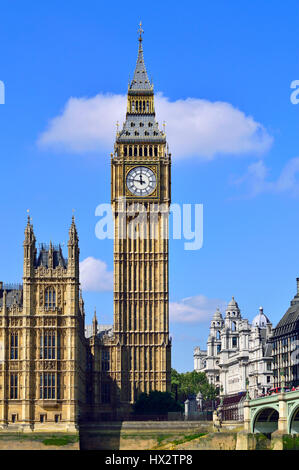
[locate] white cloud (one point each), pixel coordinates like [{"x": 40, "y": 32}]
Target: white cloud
[
  {"x": 94, "y": 275},
  {"x": 256, "y": 180},
  {"x": 207, "y": 129},
  {"x": 197, "y": 309},
  {"x": 86, "y": 124},
  {"x": 195, "y": 127}
]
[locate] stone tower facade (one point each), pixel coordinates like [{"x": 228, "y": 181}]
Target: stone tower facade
[
  {"x": 42, "y": 343},
  {"x": 140, "y": 172}
]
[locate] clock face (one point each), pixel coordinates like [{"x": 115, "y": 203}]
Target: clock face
[{"x": 141, "y": 181}]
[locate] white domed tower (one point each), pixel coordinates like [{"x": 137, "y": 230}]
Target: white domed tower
[
  {"x": 261, "y": 360},
  {"x": 261, "y": 320},
  {"x": 232, "y": 323},
  {"x": 214, "y": 340},
  {"x": 214, "y": 348},
  {"x": 232, "y": 313}
]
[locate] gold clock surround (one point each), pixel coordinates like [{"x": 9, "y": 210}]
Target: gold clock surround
[{"x": 155, "y": 169}]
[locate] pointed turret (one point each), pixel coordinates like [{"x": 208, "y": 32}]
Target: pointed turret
[
  {"x": 29, "y": 248},
  {"x": 73, "y": 234},
  {"x": 29, "y": 233},
  {"x": 95, "y": 324},
  {"x": 73, "y": 250}
]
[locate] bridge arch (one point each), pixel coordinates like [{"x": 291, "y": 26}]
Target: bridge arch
[
  {"x": 265, "y": 420},
  {"x": 293, "y": 427}
]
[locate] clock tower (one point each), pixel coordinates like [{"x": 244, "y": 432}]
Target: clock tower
[{"x": 140, "y": 193}]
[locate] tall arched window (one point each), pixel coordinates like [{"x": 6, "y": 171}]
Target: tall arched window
[
  {"x": 14, "y": 345},
  {"x": 50, "y": 298}
]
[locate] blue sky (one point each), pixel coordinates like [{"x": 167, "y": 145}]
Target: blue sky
[{"x": 243, "y": 55}]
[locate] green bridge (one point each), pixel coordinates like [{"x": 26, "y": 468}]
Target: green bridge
[{"x": 279, "y": 412}]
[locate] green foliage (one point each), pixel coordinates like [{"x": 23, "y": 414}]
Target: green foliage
[
  {"x": 58, "y": 441},
  {"x": 156, "y": 403},
  {"x": 190, "y": 383}
]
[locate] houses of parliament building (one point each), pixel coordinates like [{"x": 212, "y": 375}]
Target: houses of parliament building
[{"x": 52, "y": 374}]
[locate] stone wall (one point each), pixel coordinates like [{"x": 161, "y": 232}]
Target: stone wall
[
  {"x": 146, "y": 435},
  {"x": 185, "y": 436},
  {"x": 43, "y": 441}
]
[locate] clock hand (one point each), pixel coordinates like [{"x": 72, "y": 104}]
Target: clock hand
[{"x": 140, "y": 180}]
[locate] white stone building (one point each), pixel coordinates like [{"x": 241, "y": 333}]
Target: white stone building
[{"x": 236, "y": 351}]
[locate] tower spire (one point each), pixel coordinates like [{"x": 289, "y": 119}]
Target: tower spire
[
  {"x": 140, "y": 125},
  {"x": 140, "y": 80},
  {"x": 95, "y": 323}
]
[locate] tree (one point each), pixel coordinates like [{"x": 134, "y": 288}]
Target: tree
[
  {"x": 156, "y": 403},
  {"x": 175, "y": 382},
  {"x": 190, "y": 383}
]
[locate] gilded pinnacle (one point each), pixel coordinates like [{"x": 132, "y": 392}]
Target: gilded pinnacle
[{"x": 140, "y": 31}]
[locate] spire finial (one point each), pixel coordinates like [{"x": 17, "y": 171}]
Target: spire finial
[
  {"x": 140, "y": 31},
  {"x": 28, "y": 217}
]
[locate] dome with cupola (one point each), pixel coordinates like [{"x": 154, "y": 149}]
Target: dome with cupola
[{"x": 261, "y": 320}]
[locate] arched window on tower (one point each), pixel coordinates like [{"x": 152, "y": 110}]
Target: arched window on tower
[
  {"x": 234, "y": 326},
  {"x": 218, "y": 335},
  {"x": 14, "y": 345},
  {"x": 50, "y": 298}
]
